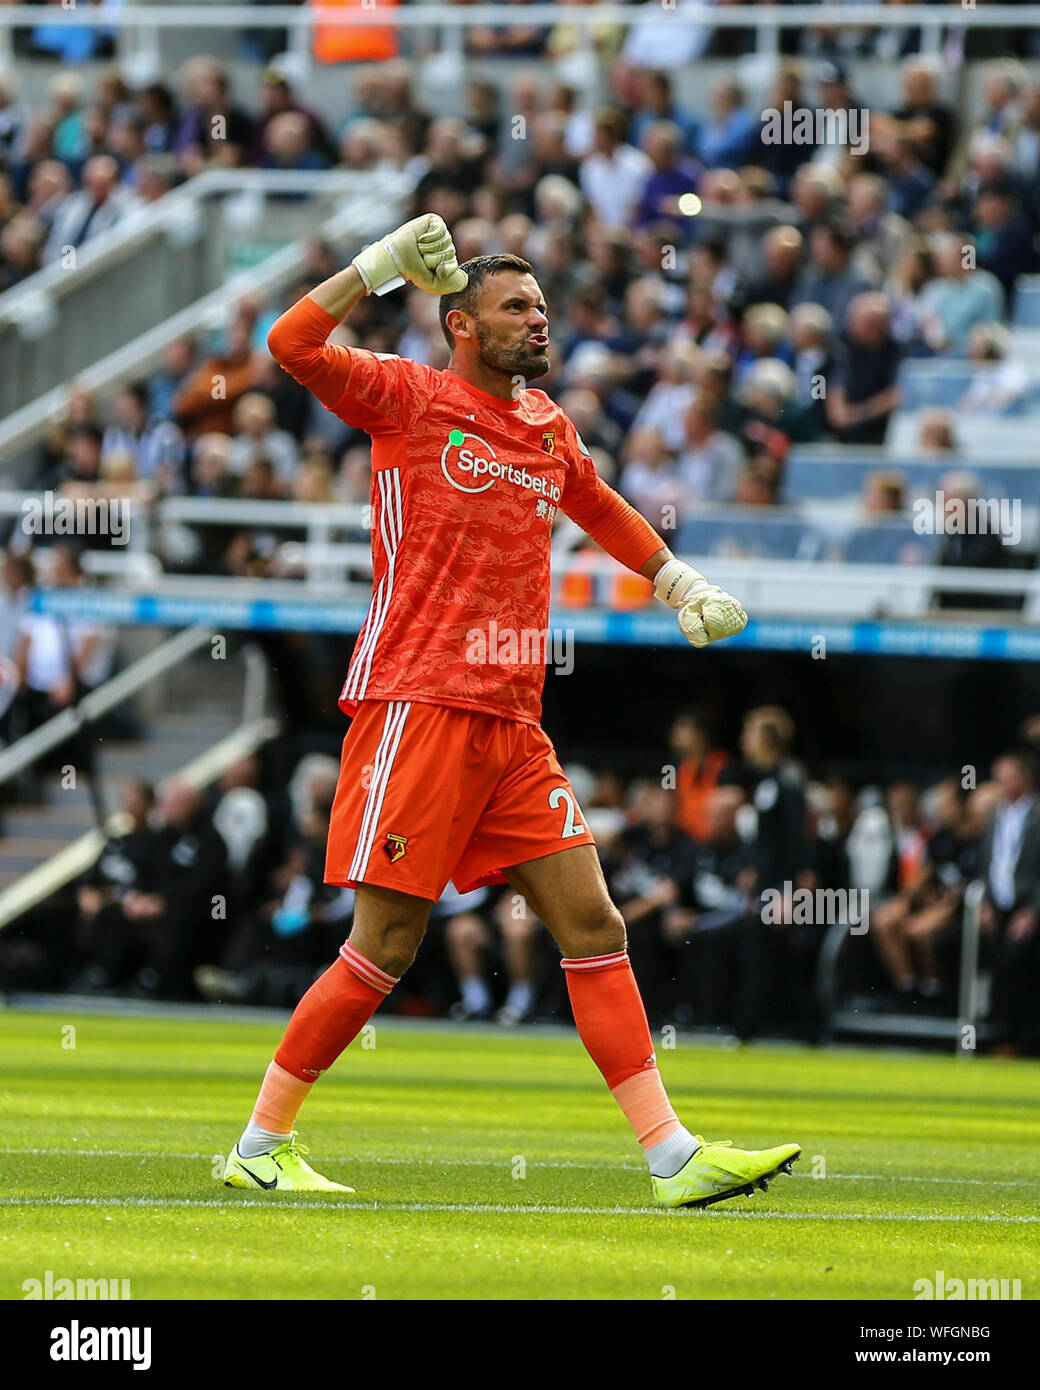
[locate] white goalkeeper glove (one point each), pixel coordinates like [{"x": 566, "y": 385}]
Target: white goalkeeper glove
[
  {"x": 706, "y": 612},
  {"x": 421, "y": 251}
]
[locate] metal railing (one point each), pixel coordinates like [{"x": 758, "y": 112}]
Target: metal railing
[
  {"x": 171, "y": 258},
  {"x": 965, "y": 1030},
  {"x": 361, "y": 218},
  {"x": 320, "y": 564},
  {"x": 139, "y": 27}
]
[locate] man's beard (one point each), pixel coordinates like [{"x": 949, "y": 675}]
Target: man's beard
[{"x": 519, "y": 359}]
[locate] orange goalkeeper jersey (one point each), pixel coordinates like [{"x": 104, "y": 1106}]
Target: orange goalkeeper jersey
[{"x": 465, "y": 487}]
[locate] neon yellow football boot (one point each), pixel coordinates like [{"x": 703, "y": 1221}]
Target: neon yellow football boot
[
  {"x": 718, "y": 1170},
  {"x": 281, "y": 1170}
]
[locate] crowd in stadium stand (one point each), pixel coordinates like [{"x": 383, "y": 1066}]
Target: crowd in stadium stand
[
  {"x": 690, "y": 343},
  {"x": 692, "y": 351},
  {"x": 729, "y": 869}
]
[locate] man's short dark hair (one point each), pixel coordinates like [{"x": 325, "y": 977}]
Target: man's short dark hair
[{"x": 478, "y": 268}]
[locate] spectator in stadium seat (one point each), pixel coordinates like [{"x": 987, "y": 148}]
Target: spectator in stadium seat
[
  {"x": 79, "y": 459},
  {"x": 1003, "y": 235},
  {"x": 863, "y": 392},
  {"x": 664, "y": 408},
  {"x": 781, "y": 252},
  {"x": 701, "y": 768},
  {"x": 468, "y": 940},
  {"x": 765, "y": 333},
  {"x": 515, "y": 40},
  {"x": 277, "y": 99},
  {"x": 613, "y": 175},
  {"x": 710, "y": 460},
  {"x": 21, "y": 248},
  {"x": 649, "y": 480},
  {"x": 818, "y": 192},
  {"x": 657, "y": 103},
  {"x": 206, "y": 400},
  {"x": 672, "y": 175},
  {"x": 156, "y": 107},
  {"x": 771, "y": 416},
  {"x": 829, "y": 278},
  {"x": 96, "y": 208},
  {"x": 811, "y": 332},
  {"x": 904, "y": 928},
  {"x": 59, "y": 661},
  {"x": 288, "y": 143},
  {"x": 452, "y": 158},
  {"x": 910, "y": 182},
  {"x": 880, "y": 234},
  {"x": 156, "y": 446},
  {"x": 176, "y": 914},
  {"x": 212, "y": 128},
  {"x": 971, "y": 548},
  {"x": 103, "y": 935},
  {"x": 650, "y": 872},
  {"x": 1006, "y": 379},
  {"x": 49, "y": 183},
  {"x": 256, "y": 435},
  {"x": 758, "y": 484},
  {"x": 729, "y": 136},
  {"x": 929, "y": 126},
  {"x": 174, "y": 368},
  {"x": 1024, "y": 143},
  {"x": 1004, "y": 87},
  {"x": 1010, "y": 868},
  {"x": 937, "y": 432},
  {"x": 12, "y": 118},
  {"x": 907, "y": 290},
  {"x": 782, "y": 158}
]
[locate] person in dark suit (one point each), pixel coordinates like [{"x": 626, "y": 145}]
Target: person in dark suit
[{"x": 1010, "y": 913}]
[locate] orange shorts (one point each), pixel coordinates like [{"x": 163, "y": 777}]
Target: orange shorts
[{"x": 430, "y": 793}]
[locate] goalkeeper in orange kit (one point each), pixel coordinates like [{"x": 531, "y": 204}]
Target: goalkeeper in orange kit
[{"x": 446, "y": 773}]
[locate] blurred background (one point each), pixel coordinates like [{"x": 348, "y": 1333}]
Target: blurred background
[{"x": 802, "y": 358}]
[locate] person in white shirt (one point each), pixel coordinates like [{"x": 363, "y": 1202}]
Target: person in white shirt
[{"x": 615, "y": 174}]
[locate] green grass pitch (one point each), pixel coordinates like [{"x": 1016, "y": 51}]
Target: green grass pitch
[{"x": 495, "y": 1165}]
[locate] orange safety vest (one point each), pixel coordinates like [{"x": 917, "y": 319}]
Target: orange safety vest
[{"x": 354, "y": 43}]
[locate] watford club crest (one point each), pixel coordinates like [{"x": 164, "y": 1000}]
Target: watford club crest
[
  {"x": 549, "y": 442},
  {"x": 395, "y": 847}
]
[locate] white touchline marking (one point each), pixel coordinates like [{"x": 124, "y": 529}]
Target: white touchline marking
[
  {"x": 506, "y": 1162},
  {"x": 499, "y": 1209}
]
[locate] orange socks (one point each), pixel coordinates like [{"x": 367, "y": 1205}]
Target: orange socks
[
  {"x": 328, "y": 1017},
  {"x": 332, "y": 1013},
  {"x": 611, "y": 1022},
  {"x": 279, "y": 1101}
]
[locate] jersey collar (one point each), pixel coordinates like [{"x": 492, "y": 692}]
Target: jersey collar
[{"x": 495, "y": 402}]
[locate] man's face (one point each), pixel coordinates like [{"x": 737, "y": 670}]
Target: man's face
[
  {"x": 1010, "y": 778},
  {"x": 511, "y": 325}
]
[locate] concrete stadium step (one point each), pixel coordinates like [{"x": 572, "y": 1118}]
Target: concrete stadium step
[{"x": 31, "y": 834}]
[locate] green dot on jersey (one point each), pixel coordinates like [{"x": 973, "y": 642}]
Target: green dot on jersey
[{"x": 456, "y": 438}]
